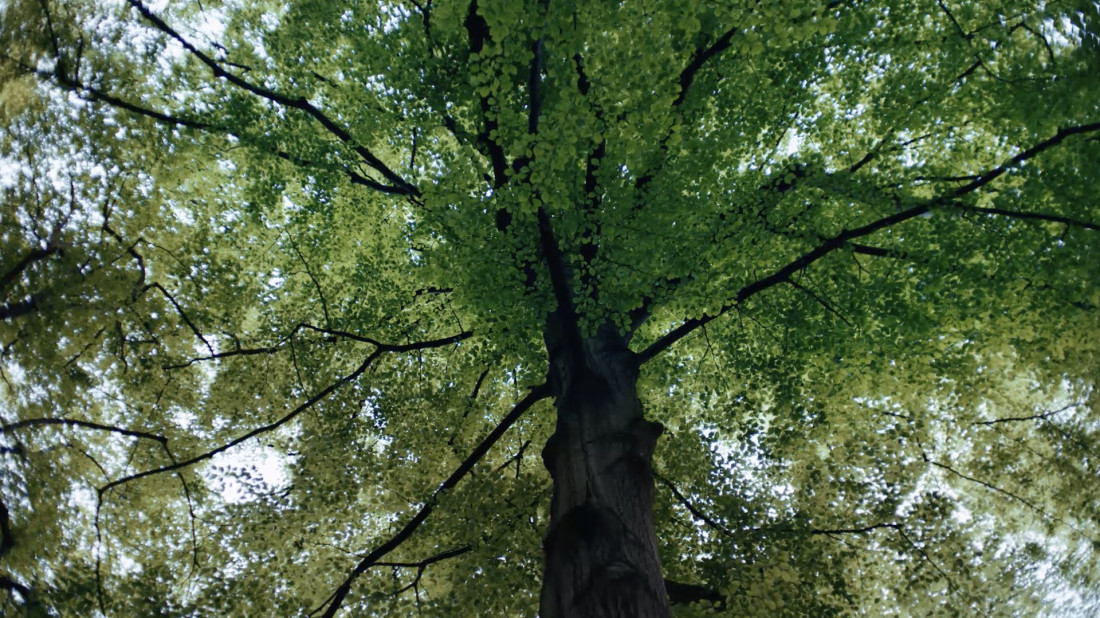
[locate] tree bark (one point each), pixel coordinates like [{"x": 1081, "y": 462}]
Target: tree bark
[{"x": 601, "y": 549}]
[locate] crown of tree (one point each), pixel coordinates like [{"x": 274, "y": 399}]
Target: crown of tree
[{"x": 518, "y": 307}]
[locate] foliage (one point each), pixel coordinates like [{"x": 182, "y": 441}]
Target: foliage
[{"x": 272, "y": 298}]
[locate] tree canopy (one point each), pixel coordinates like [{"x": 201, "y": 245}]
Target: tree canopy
[{"x": 275, "y": 280}]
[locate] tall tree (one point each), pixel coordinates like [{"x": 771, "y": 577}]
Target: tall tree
[{"x": 798, "y": 300}]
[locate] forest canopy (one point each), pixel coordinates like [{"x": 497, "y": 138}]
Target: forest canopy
[{"x": 507, "y": 307}]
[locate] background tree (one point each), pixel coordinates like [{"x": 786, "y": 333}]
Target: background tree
[{"x": 292, "y": 296}]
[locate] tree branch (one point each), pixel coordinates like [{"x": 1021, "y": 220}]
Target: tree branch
[
  {"x": 32, "y": 256},
  {"x": 1038, "y": 216},
  {"x": 251, "y": 434},
  {"x": 559, "y": 280},
  {"x": 682, "y": 594},
  {"x": 424, "y": 564},
  {"x": 380, "y": 348},
  {"x": 10, "y": 585},
  {"x": 316, "y": 284},
  {"x": 386, "y": 347},
  {"x": 334, "y": 601},
  {"x": 477, "y": 32},
  {"x": 183, "y": 315},
  {"x": 701, "y": 57},
  {"x": 926, "y": 557},
  {"x": 399, "y": 185},
  {"x": 820, "y": 301},
  {"x": 845, "y": 236},
  {"x": 91, "y": 93},
  {"x": 993, "y": 488},
  {"x": 10, "y": 311},
  {"x": 7, "y": 540},
  {"x": 699, "y": 515},
  {"x": 70, "y": 422},
  {"x": 1035, "y": 417}
]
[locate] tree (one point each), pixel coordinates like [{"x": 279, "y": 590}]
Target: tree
[{"x": 799, "y": 297}]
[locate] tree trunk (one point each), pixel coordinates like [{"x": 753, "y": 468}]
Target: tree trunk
[{"x": 601, "y": 549}]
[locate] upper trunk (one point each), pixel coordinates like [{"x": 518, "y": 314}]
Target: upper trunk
[{"x": 601, "y": 549}]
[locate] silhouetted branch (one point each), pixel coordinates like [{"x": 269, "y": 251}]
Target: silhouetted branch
[
  {"x": 1004, "y": 492},
  {"x": 469, "y": 405},
  {"x": 228, "y": 354},
  {"x": 927, "y": 558},
  {"x": 316, "y": 284},
  {"x": 251, "y": 434},
  {"x": 1034, "y": 417},
  {"x": 391, "y": 347},
  {"x": 69, "y": 422},
  {"x": 28, "y": 305},
  {"x": 32, "y": 256},
  {"x": 699, "y": 515},
  {"x": 559, "y": 281},
  {"x": 334, "y": 601},
  {"x": 11, "y": 585},
  {"x": 91, "y": 93},
  {"x": 399, "y": 185},
  {"x": 701, "y": 57},
  {"x": 966, "y": 178},
  {"x": 820, "y": 301},
  {"x": 182, "y": 314},
  {"x": 846, "y": 236},
  {"x": 424, "y": 564},
  {"x": 477, "y": 34},
  {"x": 1035, "y": 216},
  {"x": 682, "y": 594},
  {"x": 7, "y": 541},
  {"x": 385, "y": 347},
  {"x": 988, "y": 486}
]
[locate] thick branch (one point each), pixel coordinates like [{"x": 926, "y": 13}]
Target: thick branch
[
  {"x": 687, "y": 76},
  {"x": 846, "y": 236},
  {"x": 10, "y": 311},
  {"x": 559, "y": 280},
  {"x": 7, "y": 540},
  {"x": 372, "y": 559},
  {"x": 682, "y": 594},
  {"x": 400, "y": 186},
  {"x": 477, "y": 32},
  {"x": 10, "y": 585},
  {"x": 34, "y": 255}
]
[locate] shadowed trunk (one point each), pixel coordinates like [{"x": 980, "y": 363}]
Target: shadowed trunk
[{"x": 601, "y": 550}]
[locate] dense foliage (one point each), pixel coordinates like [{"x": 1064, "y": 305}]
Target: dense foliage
[{"x": 274, "y": 279}]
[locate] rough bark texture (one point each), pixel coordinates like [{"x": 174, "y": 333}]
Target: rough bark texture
[{"x": 601, "y": 550}]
